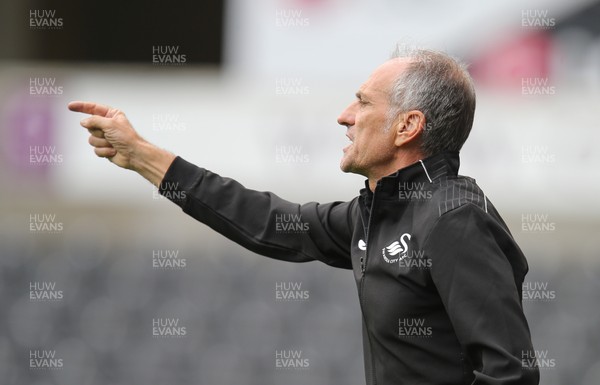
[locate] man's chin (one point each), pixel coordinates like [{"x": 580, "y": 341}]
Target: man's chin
[
  {"x": 345, "y": 166},
  {"x": 349, "y": 167}
]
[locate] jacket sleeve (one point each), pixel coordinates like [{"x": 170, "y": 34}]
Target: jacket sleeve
[
  {"x": 478, "y": 270},
  {"x": 261, "y": 221}
]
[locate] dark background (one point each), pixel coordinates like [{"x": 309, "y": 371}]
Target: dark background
[{"x": 114, "y": 31}]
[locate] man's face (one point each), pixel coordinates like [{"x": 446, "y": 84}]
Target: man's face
[{"x": 372, "y": 146}]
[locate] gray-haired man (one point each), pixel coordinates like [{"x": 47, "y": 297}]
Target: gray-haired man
[{"x": 438, "y": 273}]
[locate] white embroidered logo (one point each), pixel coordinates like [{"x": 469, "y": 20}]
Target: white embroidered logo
[
  {"x": 362, "y": 245},
  {"x": 397, "y": 250}
]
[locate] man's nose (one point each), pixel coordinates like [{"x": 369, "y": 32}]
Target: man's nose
[{"x": 346, "y": 118}]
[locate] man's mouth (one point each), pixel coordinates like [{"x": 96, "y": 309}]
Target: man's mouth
[{"x": 351, "y": 142}]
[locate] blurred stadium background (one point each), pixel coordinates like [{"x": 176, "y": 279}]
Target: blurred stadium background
[{"x": 255, "y": 97}]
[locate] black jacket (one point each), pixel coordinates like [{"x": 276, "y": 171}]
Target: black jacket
[{"x": 439, "y": 275}]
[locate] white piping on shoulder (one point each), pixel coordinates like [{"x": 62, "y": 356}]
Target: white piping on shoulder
[{"x": 426, "y": 173}]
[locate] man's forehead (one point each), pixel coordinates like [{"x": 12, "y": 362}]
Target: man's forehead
[{"x": 383, "y": 77}]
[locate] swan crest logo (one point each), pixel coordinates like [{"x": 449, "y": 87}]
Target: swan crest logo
[{"x": 397, "y": 250}]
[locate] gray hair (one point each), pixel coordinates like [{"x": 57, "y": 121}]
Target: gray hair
[{"x": 441, "y": 88}]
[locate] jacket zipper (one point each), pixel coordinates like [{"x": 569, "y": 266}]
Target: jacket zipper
[
  {"x": 362, "y": 257},
  {"x": 363, "y": 266}
]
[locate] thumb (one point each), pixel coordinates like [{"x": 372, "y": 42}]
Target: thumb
[{"x": 96, "y": 122}]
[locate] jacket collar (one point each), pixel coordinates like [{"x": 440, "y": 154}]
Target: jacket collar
[{"x": 427, "y": 170}]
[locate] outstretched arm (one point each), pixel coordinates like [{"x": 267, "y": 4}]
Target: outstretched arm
[
  {"x": 259, "y": 221},
  {"x": 114, "y": 138}
]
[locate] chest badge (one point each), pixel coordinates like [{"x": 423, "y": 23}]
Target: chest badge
[{"x": 397, "y": 250}]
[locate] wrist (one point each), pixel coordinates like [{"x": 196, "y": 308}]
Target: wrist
[{"x": 151, "y": 162}]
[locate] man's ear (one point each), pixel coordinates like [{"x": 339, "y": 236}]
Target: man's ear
[{"x": 409, "y": 128}]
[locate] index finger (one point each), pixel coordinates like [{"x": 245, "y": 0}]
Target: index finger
[{"x": 89, "y": 108}]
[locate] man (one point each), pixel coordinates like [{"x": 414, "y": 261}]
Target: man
[{"x": 438, "y": 273}]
